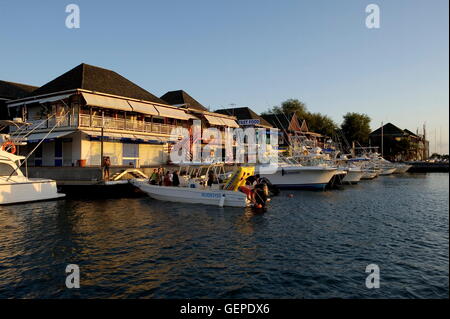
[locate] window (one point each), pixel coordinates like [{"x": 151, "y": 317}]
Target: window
[{"x": 6, "y": 170}]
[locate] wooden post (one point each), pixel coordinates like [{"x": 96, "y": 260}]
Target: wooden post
[{"x": 101, "y": 150}]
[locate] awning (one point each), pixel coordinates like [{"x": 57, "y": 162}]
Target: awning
[
  {"x": 192, "y": 117},
  {"x": 124, "y": 137},
  {"x": 144, "y": 108},
  {"x": 33, "y": 138},
  {"x": 222, "y": 121},
  {"x": 172, "y": 113},
  {"x": 105, "y": 134},
  {"x": 214, "y": 120},
  {"x": 230, "y": 122},
  {"x": 42, "y": 100},
  {"x": 106, "y": 102}
]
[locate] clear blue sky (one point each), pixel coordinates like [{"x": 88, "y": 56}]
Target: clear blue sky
[{"x": 252, "y": 53}]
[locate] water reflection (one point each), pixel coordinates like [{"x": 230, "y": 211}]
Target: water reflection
[{"x": 311, "y": 245}]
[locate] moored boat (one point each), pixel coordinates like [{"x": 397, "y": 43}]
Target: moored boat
[
  {"x": 17, "y": 188},
  {"x": 206, "y": 196},
  {"x": 353, "y": 176},
  {"x": 402, "y": 168},
  {"x": 197, "y": 189},
  {"x": 300, "y": 177}
]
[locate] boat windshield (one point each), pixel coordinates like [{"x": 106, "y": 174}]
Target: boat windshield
[{"x": 7, "y": 170}]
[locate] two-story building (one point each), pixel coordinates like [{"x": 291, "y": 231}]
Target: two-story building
[{"x": 90, "y": 112}]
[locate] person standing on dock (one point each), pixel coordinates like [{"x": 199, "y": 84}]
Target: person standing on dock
[{"x": 106, "y": 166}]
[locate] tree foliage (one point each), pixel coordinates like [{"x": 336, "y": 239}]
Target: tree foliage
[
  {"x": 317, "y": 122},
  {"x": 356, "y": 127}
]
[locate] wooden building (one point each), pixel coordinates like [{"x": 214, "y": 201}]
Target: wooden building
[
  {"x": 89, "y": 111},
  {"x": 397, "y": 144}
]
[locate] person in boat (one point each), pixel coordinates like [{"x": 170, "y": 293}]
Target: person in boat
[
  {"x": 167, "y": 179},
  {"x": 106, "y": 166},
  {"x": 175, "y": 179},
  {"x": 160, "y": 176},
  {"x": 251, "y": 180},
  {"x": 210, "y": 180},
  {"x": 154, "y": 178}
]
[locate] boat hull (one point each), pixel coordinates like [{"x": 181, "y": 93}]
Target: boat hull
[
  {"x": 353, "y": 177},
  {"x": 369, "y": 175},
  {"x": 300, "y": 178},
  {"x": 402, "y": 169},
  {"x": 203, "y": 196},
  {"x": 387, "y": 171},
  {"x": 28, "y": 191}
]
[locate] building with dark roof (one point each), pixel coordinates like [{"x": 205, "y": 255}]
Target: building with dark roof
[
  {"x": 183, "y": 100},
  {"x": 90, "y": 112},
  {"x": 11, "y": 91},
  {"x": 398, "y": 144},
  {"x": 246, "y": 117},
  {"x": 92, "y": 78}
]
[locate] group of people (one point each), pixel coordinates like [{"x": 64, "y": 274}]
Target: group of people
[
  {"x": 164, "y": 178},
  {"x": 256, "y": 189}
]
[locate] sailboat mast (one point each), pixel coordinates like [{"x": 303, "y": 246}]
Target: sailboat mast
[{"x": 382, "y": 140}]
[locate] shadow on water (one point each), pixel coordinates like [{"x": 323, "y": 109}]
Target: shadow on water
[{"x": 310, "y": 244}]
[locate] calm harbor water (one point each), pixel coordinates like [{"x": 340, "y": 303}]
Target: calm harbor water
[{"x": 313, "y": 245}]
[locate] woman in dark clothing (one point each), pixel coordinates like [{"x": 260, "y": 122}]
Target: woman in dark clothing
[{"x": 175, "y": 179}]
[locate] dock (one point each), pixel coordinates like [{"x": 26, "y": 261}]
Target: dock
[{"x": 428, "y": 167}]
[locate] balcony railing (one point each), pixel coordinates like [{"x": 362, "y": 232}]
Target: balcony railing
[{"x": 124, "y": 125}]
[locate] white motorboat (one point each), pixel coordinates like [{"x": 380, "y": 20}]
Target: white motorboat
[
  {"x": 353, "y": 176},
  {"x": 369, "y": 174},
  {"x": 17, "y": 188},
  {"x": 201, "y": 195},
  {"x": 402, "y": 168},
  {"x": 194, "y": 189},
  {"x": 296, "y": 176},
  {"x": 387, "y": 171}
]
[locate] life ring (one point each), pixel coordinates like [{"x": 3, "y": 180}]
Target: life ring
[{"x": 9, "y": 147}]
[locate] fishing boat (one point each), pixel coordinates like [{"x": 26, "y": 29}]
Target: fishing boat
[
  {"x": 369, "y": 174},
  {"x": 17, "y": 188},
  {"x": 384, "y": 171},
  {"x": 354, "y": 173},
  {"x": 401, "y": 168},
  {"x": 289, "y": 174},
  {"x": 353, "y": 176},
  {"x": 196, "y": 191}
]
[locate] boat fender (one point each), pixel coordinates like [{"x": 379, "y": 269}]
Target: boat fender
[{"x": 222, "y": 200}]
